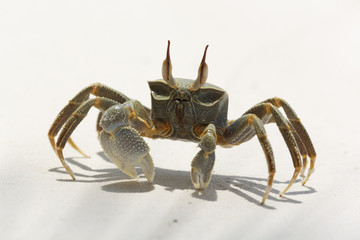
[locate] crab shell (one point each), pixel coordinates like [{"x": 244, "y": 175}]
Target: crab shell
[{"x": 183, "y": 108}]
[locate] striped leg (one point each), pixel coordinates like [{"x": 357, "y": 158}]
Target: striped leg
[
  {"x": 96, "y": 89},
  {"x": 240, "y": 129},
  {"x": 268, "y": 112},
  {"x": 73, "y": 120},
  {"x": 300, "y": 130}
]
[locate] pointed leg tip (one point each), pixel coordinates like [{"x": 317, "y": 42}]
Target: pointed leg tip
[
  {"x": 295, "y": 175},
  {"x": 303, "y": 182},
  {"x": 69, "y": 171},
  {"x": 263, "y": 200},
  {"x": 83, "y": 154},
  {"x": 311, "y": 171},
  {"x": 285, "y": 191},
  {"x": 62, "y": 160},
  {"x": 71, "y": 142}
]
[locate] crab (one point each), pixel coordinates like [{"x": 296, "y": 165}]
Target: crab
[{"x": 182, "y": 109}]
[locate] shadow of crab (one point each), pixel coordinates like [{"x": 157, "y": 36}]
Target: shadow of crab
[{"x": 180, "y": 180}]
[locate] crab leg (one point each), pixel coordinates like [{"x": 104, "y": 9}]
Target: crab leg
[
  {"x": 71, "y": 142},
  {"x": 301, "y": 131},
  {"x": 302, "y": 149},
  {"x": 239, "y": 130},
  {"x": 267, "y": 111},
  {"x": 75, "y": 118},
  {"x": 96, "y": 89}
]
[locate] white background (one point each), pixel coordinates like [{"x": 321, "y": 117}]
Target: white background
[{"x": 306, "y": 52}]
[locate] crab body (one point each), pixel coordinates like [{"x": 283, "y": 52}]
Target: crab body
[
  {"x": 186, "y": 110},
  {"x": 182, "y": 109}
]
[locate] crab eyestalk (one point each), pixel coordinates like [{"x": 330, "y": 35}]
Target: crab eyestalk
[
  {"x": 167, "y": 69},
  {"x": 202, "y": 73}
]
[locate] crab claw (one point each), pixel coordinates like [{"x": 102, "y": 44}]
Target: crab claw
[
  {"x": 126, "y": 148},
  {"x": 201, "y": 169}
]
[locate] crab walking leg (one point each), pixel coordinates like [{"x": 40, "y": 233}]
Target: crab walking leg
[
  {"x": 266, "y": 110},
  {"x": 268, "y": 118},
  {"x": 74, "y": 120},
  {"x": 71, "y": 142},
  {"x": 302, "y": 150},
  {"x": 96, "y": 89},
  {"x": 122, "y": 143},
  {"x": 300, "y": 129},
  {"x": 234, "y": 134},
  {"x": 203, "y": 162}
]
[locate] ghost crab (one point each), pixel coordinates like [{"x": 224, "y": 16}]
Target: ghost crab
[{"x": 182, "y": 109}]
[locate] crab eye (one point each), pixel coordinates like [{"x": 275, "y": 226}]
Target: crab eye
[
  {"x": 159, "y": 89},
  {"x": 209, "y": 95}
]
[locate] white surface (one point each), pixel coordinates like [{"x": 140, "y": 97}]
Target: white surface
[{"x": 306, "y": 52}]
